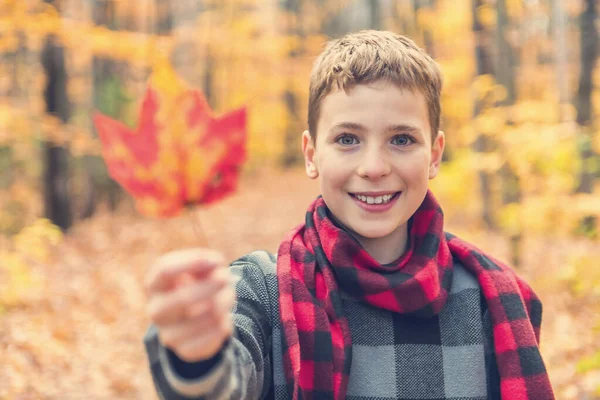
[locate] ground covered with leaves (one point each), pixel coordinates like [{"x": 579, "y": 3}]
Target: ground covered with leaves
[{"x": 75, "y": 331}]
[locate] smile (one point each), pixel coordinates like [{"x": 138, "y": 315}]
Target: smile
[{"x": 375, "y": 199}]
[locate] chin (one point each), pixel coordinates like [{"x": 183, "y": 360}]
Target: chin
[{"x": 374, "y": 233}]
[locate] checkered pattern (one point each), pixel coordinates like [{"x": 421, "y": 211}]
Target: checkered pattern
[
  {"x": 388, "y": 349},
  {"x": 516, "y": 314},
  {"x": 319, "y": 260},
  {"x": 396, "y": 356},
  {"x": 393, "y": 355}
]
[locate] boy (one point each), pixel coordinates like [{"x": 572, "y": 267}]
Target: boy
[{"x": 369, "y": 298}]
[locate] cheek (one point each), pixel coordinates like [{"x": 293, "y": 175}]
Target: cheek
[
  {"x": 332, "y": 173},
  {"x": 332, "y": 180},
  {"x": 416, "y": 169}
]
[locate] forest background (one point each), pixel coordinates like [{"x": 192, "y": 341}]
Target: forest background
[{"x": 520, "y": 175}]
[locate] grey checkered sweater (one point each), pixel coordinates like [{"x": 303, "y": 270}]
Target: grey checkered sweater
[{"x": 448, "y": 356}]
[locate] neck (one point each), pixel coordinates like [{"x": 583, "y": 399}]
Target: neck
[{"x": 386, "y": 249}]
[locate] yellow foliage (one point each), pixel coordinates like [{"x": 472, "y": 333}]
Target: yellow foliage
[
  {"x": 18, "y": 279},
  {"x": 489, "y": 123},
  {"x": 583, "y": 279},
  {"x": 449, "y": 187},
  {"x": 596, "y": 142},
  {"x": 510, "y": 218},
  {"x": 488, "y": 162},
  {"x": 542, "y": 214},
  {"x": 585, "y": 204},
  {"x": 514, "y": 8},
  {"x": 588, "y": 364},
  {"x": 483, "y": 84},
  {"x": 166, "y": 81},
  {"x": 536, "y": 111},
  {"x": 499, "y": 93},
  {"x": 426, "y": 18},
  {"x": 487, "y": 15},
  {"x": 35, "y": 242},
  {"x": 32, "y": 245}
]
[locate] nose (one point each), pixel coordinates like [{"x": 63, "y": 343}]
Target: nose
[{"x": 374, "y": 165}]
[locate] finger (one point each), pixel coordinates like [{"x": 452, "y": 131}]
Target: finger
[
  {"x": 171, "y": 307},
  {"x": 164, "y": 272}
]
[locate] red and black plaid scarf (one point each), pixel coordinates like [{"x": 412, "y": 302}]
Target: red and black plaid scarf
[{"x": 318, "y": 259}]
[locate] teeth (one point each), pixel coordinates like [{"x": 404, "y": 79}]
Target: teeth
[{"x": 374, "y": 200}]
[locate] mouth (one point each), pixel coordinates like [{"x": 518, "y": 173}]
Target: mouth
[{"x": 375, "y": 198}]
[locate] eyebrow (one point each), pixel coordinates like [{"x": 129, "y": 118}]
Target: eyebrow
[{"x": 402, "y": 128}]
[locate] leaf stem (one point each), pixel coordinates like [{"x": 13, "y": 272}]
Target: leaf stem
[{"x": 197, "y": 227}]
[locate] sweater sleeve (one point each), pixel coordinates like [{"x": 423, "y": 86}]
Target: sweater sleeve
[{"x": 242, "y": 369}]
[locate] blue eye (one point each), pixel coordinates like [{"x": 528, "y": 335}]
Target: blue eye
[
  {"x": 346, "y": 140},
  {"x": 402, "y": 140}
]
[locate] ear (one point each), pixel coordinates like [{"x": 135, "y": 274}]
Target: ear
[
  {"x": 437, "y": 151},
  {"x": 308, "y": 148}
]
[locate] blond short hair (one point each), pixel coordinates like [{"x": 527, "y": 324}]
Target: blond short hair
[{"x": 370, "y": 56}]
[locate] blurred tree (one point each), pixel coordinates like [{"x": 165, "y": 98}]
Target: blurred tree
[
  {"x": 294, "y": 29},
  {"x": 110, "y": 99},
  {"x": 505, "y": 76},
  {"x": 403, "y": 20},
  {"x": 164, "y": 16},
  {"x": 588, "y": 54},
  {"x": 425, "y": 7},
  {"x": 484, "y": 67},
  {"x": 560, "y": 50},
  {"x": 589, "y": 41},
  {"x": 376, "y": 14},
  {"x": 332, "y": 23},
  {"x": 57, "y": 205},
  {"x": 505, "y": 59}
]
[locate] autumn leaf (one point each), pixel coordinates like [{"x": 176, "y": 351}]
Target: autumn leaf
[{"x": 180, "y": 153}]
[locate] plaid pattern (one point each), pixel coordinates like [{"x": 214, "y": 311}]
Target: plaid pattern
[
  {"x": 318, "y": 260},
  {"x": 394, "y": 356}
]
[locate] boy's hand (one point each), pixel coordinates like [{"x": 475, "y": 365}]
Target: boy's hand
[{"x": 190, "y": 299}]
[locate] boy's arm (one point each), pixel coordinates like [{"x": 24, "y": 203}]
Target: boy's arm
[{"x": 242, "y": 369}]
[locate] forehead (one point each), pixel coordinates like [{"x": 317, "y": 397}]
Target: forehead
[{"x": 375, "y": 106}]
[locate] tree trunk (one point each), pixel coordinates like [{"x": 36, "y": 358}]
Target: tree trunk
[
  {"x": 589, "y": 53},
  {"x": 505, "y": 60},
  {"x": 57, "y": 205},
  {"x": 404, "y": 22},
  {"x": 332, "y": 25},
  {"x": 505, "y": 76},
  {"x": 209, "y": 90},
  {"x": 425, "y": 31},
  {"x": 484, "y": 66},
  {"x": 561, "y": 62},
  {"x": 291, "y": 155},
  {"x": 89, "y": 189},
  {"x": 104, "y": 70},
  {"x": 376, "y": 17}
]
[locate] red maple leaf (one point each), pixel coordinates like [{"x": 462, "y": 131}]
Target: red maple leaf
[{"x": 180, "y": 154}]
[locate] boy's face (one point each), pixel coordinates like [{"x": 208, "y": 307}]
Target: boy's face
[{"x": 374, "y": 156}]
